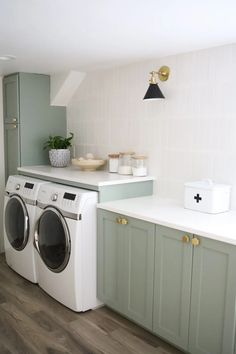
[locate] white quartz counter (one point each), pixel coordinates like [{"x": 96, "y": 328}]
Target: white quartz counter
[
  {"x": 221, "y": 227},
  {"x": 73, "y": 174}
]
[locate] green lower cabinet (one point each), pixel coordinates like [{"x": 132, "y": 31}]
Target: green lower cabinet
[
  {"x": 139, "y": 271},
  {"x": 172, "y": 285},
  {"x": 213, "y": 300},
  {"x": 110, "y": 261},
  {"x": 180, "y": 286},
  {"x": 126, "y": 265}
]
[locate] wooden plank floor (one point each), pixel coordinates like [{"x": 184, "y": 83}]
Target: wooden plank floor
[{"x": 32, "y": 322}]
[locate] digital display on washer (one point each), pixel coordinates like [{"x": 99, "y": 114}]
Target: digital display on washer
[
  {"x": 69, "y": 196},
  {"x": 29, "y": 185}
]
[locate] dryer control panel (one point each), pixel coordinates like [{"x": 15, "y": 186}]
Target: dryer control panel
[{"x": 65, "y": 198}]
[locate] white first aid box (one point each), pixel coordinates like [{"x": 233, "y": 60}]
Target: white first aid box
[{"x": 207, "y": 197}]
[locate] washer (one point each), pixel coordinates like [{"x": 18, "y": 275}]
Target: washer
[
  {"x": 19, "y": 224},
  {"x": 65, "y": 240}
]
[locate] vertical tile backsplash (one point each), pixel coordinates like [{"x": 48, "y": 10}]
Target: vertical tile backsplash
[{"x": 189, "y": 135}]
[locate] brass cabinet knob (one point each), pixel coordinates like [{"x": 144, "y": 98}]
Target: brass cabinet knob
[
  {"x": 118, "y": 220},
  {"x": 14, "y": 120},
  {"x": 122, "y": 221},
  {"x": 195, "y": 241},
  {"x": 186, "y": 239}
]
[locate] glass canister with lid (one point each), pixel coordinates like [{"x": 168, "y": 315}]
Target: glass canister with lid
[
  {"x": 125, "y": 163},
  {"x": 113, "y": 162},
  {"x": 139, "y": 165}
]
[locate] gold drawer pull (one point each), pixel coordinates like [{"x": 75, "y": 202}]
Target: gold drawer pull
[
  {"x": 186, "y": 239},
  {"x": 195, "y": 241},
  {"x": 122, "y": 221}
]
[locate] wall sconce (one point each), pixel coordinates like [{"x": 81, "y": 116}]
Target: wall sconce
[{"x": 154, "y": 91}]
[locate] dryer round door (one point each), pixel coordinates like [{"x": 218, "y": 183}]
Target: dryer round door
[
  {"x": 17, "y": 222},
  {"x": 52, "y": 239}
]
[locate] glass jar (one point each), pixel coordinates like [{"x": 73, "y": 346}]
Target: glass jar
[
  {"x": 113, "y": 163},
  {"x": 125, "y": 163},
  {"x": 139, "y": 165}
]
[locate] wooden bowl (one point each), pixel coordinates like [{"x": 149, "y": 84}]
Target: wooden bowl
[{"x": 88, "y": 165}]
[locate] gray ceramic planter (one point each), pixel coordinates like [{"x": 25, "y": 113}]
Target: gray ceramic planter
[{"x": 59, "y": 157}]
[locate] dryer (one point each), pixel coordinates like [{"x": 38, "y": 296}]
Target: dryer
[
  {"x": 19, "y": 224},
  {"x": 65, "y": 240}
]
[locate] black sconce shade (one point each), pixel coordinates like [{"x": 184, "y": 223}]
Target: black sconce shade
[{"x": 153, "y": 92}]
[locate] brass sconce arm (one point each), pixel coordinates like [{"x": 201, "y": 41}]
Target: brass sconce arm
[{"x": 162, "y": 74}]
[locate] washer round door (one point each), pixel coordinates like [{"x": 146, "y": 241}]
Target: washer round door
[
  {"x": 17, "y": 222},
  {"x": 52, "y": 239}
]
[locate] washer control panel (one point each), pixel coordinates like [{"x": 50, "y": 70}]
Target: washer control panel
[
  {"x": 26, "y": 187},
  {"x": 69, "y": 196}
]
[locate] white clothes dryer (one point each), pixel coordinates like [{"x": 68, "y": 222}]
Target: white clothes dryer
[
  {"x": 65, "y": 239},
  {"x": 19, "y": 224}
]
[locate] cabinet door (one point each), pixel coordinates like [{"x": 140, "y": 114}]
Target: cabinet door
[
  {"x": 139, "y": 271},
  {"x": 26, "y": 101},
  {"x": 126, "y": 265},
  {"x": 212, "y": 319},
  {"x": 111, "y": 247},
  {"x": 12, "y": 148},
  {"x": 38, "y": 118},
  {"x": 172, "y": 284},
  {"x": 11, "y": 99}
]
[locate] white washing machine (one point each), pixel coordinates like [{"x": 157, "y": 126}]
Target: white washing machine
[
  {"x": 19, "y": 224},
  {"x": 65, "y": 240}
]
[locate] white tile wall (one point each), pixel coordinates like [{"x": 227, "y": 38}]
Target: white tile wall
[{"x": 190, "y": 135}]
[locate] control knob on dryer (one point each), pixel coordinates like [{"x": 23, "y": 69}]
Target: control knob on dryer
[
  {"x": 17, "y": 186},
  {"x": 54, "y": 197}
]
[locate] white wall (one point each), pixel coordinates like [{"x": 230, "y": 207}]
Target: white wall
[
  {"x": 2, "y": 176},
  {"x": 189, "y": 136}
]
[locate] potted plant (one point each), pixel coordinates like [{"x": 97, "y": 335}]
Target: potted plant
[{"x": 59, "y": 154}]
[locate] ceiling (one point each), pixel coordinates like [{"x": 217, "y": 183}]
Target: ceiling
[{"x": 50, "y": 36}]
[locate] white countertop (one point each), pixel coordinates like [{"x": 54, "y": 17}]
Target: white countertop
[
  {"x": 73, "y": 174},
  {"x": 221, "y": 227}
]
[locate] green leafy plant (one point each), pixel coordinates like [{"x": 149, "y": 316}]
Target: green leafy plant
[{"x": 58, "y": 142}]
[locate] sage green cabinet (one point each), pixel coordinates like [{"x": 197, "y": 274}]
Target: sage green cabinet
[
  {"x": 172, "y": 285},
  {"x": 12, "y": 148},
  {"x": 11, "y": 99},
  {"x": 213, "y": 300},
  {"x": 28, "y": 120},
  {"x": 126, "y": 265},
  {"x": 180, "y": 286},
  {"x": 194, "y": 292},
  {"x": 111, "y": 244}
]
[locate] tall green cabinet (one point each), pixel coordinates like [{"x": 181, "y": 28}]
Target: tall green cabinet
[{"x": 28, "y": 120}]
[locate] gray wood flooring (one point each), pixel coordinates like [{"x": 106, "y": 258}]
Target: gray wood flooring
[{"x": 32, "y": 322}]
